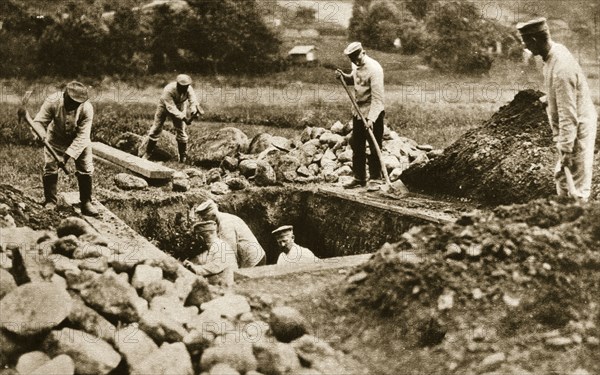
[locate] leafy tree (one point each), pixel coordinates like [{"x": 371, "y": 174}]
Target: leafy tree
[
  {"x": 460, "y": 39},
  {"x": 421, "y": 8},
  {"x": 306, "y": 14},
  {"x": 230, "y": 36},
  {"x": 123, "y": 41}
]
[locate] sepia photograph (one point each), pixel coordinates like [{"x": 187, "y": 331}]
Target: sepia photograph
[{"x": 299, "y": 187}]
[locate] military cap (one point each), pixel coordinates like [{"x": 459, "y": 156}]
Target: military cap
[
  {"x": 353, "y": 47},
  {"x": 283, "y": 231},
  {"x": 533, "y": 26},
  {"x": 206, "y": 206},
  {"x": 184, "y": 80},
  {"x": 205, "y": 226},
  {"x": 77, "y": 91}
]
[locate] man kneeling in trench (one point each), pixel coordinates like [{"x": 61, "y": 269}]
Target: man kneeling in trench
[
  {"x": 217, "y": 263},
  {"x": 233, "y": 230}
]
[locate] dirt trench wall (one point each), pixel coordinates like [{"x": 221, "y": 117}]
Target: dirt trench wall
[{"x": 329, "y": 226}]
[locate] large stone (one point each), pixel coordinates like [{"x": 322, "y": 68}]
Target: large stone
[
  {"x": 223, "y": 369},
  {"x": 66, "y": 245},
  {"x": 61, "y": 364},
  {"x": 287, "y": 323},
  {"x": 230, "y": 305},
  {"x": 211, "y": 147},
  {"x": 212, "y": 322},
  {"x": 22, "y": 237},
  {"x": 229, "y": 163},
  {"x": 158, "y": 288},
  {"x": 98, "y": 264},
  {"x": 275, "y": 358},
  {"x": 173, "y": 306},
  {"x": 90, "y": 354},
  {"x": 398, "y": 147},
  {"x": 285, "y": 166},
  {"x": 265, "y": 174},
  {"x": 181, "y": 184},
  {"x": 75, "y": 226},
  {"x": 331, "y": 139},
  {"x": 247, "y": 167},
  {"x": 259, "y": 143},
  {"x": 134, "y": 344},
  {"x": 145, "y": 275},
  {"x": 169, "y": 359},
  {"x": 34, "y": 308},
  {"x": 161, "y": 327},
  {"x": 166, "y": 148},
  {"x": 317, "y": 132},
  {"x": 237, "y": 183},
  {"x": 219, "y": 188},
  {"x": 7, "y": 283},
  {"x": 281, "y": 143},
  {"x": 91, "y": 250},
  {"x": 311, "y": 148},
  {"x": 337, "y": 128},
  {"x": 30, "y": 361},
  {"x": 88, "y": 320},
  {"x": 126, "y": 181},
  {"x": 199, "y": 294},
  {"x": 391, "y": 162},
  {"x": 319, "y": 355},
  {"x": 305, "y": 136},
  {"x": 109, "y": 294},
  {"x": 238, "y": 355},
  {"x": 344, "y": 170},
  {"x": 345, "y": 156}
]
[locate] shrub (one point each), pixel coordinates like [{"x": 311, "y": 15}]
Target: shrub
[{"x": 460, "y": 39}]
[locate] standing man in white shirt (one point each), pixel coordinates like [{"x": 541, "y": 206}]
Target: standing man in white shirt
[
  {"x": 367, "y": 78},
  {"x": 172, "y": 104},
  {"x": 571, "y": 112}
]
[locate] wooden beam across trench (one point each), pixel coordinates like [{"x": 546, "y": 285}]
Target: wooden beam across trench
[{"x": 146, "y": 168}]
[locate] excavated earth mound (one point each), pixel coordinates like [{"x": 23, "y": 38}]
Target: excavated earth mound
[
  {"x": 509, "y": 159},
  {"x": 520, "y": 277}
]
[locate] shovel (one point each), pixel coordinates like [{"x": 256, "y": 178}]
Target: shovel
[
  {"x": 398, "y": 186},
  {"x": 24, "y": 115}
]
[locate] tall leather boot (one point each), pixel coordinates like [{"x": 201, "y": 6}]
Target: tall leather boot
[
  {"x": 149, "y": 149},
  {"x": 182, "y": 148},
  {"x": 50, "y": 181},
  {"x": 85, "y": 195}
]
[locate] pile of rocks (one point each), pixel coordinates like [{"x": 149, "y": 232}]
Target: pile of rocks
[
  {"x": 72, "y": 303},
  {"x": 318, "y": 155}
]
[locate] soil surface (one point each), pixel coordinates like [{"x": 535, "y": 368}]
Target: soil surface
[{"x": 509, "y": 159}]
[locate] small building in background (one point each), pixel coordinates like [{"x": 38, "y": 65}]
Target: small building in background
[{"x": 303, "y": 54}]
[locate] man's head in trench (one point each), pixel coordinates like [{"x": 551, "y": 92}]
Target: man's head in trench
[
  {"x": 285, "y": 238},
  {"x": 207, "y": 210}
]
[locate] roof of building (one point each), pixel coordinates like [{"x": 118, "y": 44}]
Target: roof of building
[{"x": 301, "y": 50}]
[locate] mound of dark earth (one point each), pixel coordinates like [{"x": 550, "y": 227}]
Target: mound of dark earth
[{"x": 509, "y": 159}]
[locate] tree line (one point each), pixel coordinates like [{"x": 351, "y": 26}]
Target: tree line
[{"x": 225, "y": 36}]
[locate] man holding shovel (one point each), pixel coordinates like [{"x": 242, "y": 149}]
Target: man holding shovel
[
  {"x": 571, "y": 111},
  {"x": 367, "y": 78},
  {"x": 66, "y": 121},
  {"x": 172, "y": 104}
]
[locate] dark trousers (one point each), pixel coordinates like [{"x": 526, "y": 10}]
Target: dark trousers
[{"x": 359, "y": 136}]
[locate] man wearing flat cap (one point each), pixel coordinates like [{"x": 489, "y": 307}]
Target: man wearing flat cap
[
  {"x": 177, "y": 97},
  {"x": 233, "y": 230},
  {"x": 218, "y": 262},
  {"x": 291, "y": 253},
  {"x": 367, "y": 78},
  {"x": 571, "y": 112},
  {"x": 66, "y": 119}
]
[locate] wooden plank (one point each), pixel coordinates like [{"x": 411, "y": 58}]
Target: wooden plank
[
  {"x": 424, "y": 214},
  {"x": 133, "y": 163},
  {"x": 121, "y": 237},
  {"x": 275, "y": 270}
]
